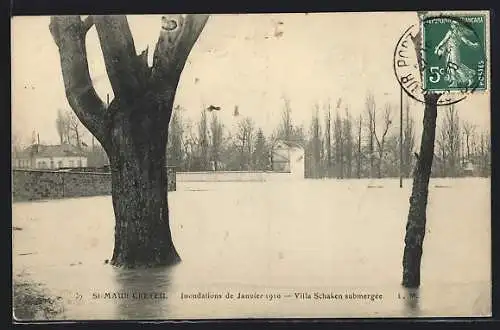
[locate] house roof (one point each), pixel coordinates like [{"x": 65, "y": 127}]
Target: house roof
[
  {"x": 62, "y": 150},
  {"x": 290, "y": 144},
  {"x": 278, "y": 157}
]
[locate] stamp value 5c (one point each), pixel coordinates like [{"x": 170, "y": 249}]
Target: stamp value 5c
[{"x": 454, "y": 53}]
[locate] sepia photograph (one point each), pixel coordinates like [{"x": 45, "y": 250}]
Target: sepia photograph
[{"x": 236, "y": 166}]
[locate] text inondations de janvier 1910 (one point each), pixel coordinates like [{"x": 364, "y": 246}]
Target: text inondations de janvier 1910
[{"x": 245, "y": 295}]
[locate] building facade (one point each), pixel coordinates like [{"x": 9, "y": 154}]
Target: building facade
[
  {"x": 289, "y": 157},
  {"x": 40, "y": 156}
]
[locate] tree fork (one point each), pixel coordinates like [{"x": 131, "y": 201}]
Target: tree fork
[{"x": 133, "y": 129}]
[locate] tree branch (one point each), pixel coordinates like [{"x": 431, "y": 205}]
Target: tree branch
[
  {"x": 69, "y": 35},
  {"x": 88, "y": 23},
  {"x": 125, "y": 69},
  {"x": 177, "y": 36}
]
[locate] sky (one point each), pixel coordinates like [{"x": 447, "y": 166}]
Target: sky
[{"x": 238, "y": 60}]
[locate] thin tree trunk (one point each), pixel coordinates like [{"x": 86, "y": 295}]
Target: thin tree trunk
[{"x": 415, "y": 228}]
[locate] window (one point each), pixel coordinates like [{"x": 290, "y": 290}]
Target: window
[
  {"x": 51, "y": 163},
  {"x": 59, "y": 164},
  {"x": 79, "y": 163},
  {"x": 71, "y": 163}
]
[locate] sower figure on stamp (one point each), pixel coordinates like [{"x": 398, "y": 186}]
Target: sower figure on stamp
[{"x": 457, "y": 73}]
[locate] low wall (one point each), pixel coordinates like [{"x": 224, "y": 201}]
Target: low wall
[
  {"x": 35, "y": 184},
  {"x": 232, "y": 176},
  {"x": 40, "y": 184},
  {"x": 219, "y": 176}
]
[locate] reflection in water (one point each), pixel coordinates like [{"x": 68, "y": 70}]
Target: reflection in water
[
  {"x": 144, "y": 293},
  {"x": 411, "y": 301}
]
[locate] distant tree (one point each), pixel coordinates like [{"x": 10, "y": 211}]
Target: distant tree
[
  {"x": 216, "y": 141},
  {"x": 348, "y": 144},
  {"x": 244, "y": 137},
  {"x": 285, "y": 129},
  {"x": 451, "y": 127},
  {"x": 16, "y": 143},
  {"x": 63, "y": 126},
  {"x": 469, "y": 131},
  {"x": 261, "y": 152},
  {"x": 339, "y": 145},
  {"x": 441, "y": 150},
  {"x": 189, "y": 144},
  {"x": 408, "y": 141},
  {"x": 359, "y": 154},
  {"x": 175, "y": 152},
  {"x": 315, "y": 145},
  {"x": 328, "y": 140},
  {"x": 203, "y": 142},
  {"x": 76, "y": 130},
  {"x": 485, "y": 154},
  {"x": 371, "y": 125},
  {"x": 387, "y": 123}
]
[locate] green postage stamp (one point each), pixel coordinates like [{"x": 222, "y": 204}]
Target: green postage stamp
[{"x": 454, "y": 53}]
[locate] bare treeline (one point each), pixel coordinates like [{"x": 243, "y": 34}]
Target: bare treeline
[{"x": 337, "y": 144}]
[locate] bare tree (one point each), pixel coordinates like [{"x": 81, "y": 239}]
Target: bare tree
[
  {"x": 381, "y": 141},
  {"x": 63, "y": 126},
  {"x": 16, "y": 143},
  {"x": 469, "y": 131},
  {"x": 286, "y": 127},
  {"x": 371, "y": 122},
  {"x": 408, "y": 141},
  {"x": 175, "y": 152},
  {"x": 328, "y": 140},
  {"x": 451, "y": 126},
  {"x": 316, "y": 144},
  {"x": 203, "y": 141},
  {"x": 134, "y": 128},
  {"x": 261, "y": 152},
  {"x": 359, "y": 154},
  {"x": 216, "y": 134},
  {"x": 244, "y": 137},
  {"x": 75, "y": 130},
  {"x": 339, "y": 145},
  {"x": 348, "y": 148},
  {"x": 441, "y": 143},
  {"x": 485, "y": 153}
]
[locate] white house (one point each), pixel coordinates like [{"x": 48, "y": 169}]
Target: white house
[
  {"x": 38, "y": 156},
  {"x": 289, "y": 157}
]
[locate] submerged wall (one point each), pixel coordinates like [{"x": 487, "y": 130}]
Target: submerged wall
[
  {"x": 39, "y": 184},
  {"x": 43, "y": 184}
]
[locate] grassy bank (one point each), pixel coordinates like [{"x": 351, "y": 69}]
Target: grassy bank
[{"x": 32, "y": 302}]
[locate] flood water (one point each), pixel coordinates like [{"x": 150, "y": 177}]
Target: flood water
[{"x": 288, "y": 249}]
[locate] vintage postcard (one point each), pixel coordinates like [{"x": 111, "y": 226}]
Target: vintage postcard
[{"x": 305, "y": 165}]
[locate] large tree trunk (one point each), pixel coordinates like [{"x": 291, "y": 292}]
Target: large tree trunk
[
  {"x": 415, "y": 227},
  {"x": 139, "y": 182},
  {"x": 133, "y": 129}
]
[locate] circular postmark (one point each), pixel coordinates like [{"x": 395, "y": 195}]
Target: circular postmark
[{"x": 443, "y": 56}]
